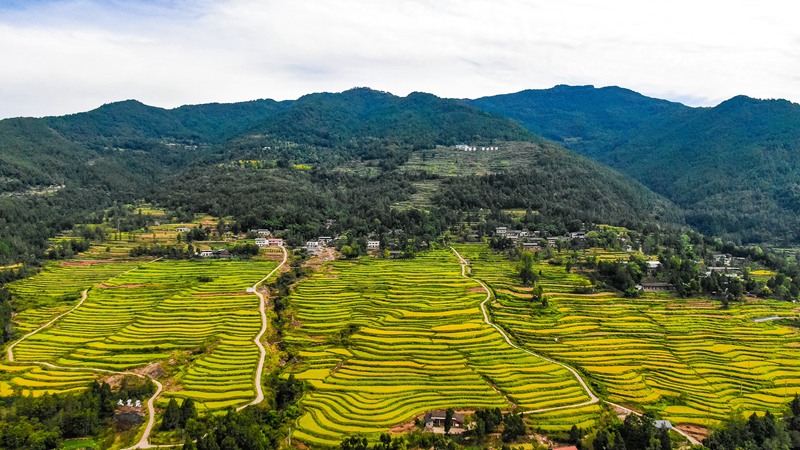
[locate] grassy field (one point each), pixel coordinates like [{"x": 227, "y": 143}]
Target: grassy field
[
  {"x": 383, "y": 341},
  {"x": 687, "y": 359}
]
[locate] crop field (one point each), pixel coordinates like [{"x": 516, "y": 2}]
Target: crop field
[
  {"x": 196, "y": 313},
  {"x": 687, "y": 359},
  {"x": 383, "y": 341}
]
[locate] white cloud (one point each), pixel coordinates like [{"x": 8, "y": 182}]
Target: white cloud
[{"x": 65, "y": 56}]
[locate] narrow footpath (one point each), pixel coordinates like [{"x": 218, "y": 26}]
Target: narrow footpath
[{"x": 592, "y": 397}]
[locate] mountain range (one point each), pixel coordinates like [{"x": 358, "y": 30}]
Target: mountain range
[{"x": 729, "y": 169}]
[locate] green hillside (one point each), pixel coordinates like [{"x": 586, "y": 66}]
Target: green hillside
[
  {"x": 296, "y": 164},
  {"x": 731, "y": 167}
]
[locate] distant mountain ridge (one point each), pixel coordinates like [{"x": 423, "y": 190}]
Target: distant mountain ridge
[
  {"x": 127, "y": 150},
  {"x": 731, "y": 167}
]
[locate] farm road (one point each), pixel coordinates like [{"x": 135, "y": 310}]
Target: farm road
[{"x": 592, "y": 397}]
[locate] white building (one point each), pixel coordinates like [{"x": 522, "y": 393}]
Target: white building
[
  {"x": 373, "y": 245},
  {"x": 182, "y": 230},
  {"x": 206, "y": 253},
  {"x": 501, "y": 231},
  {"x": 262, "y": 242},
  {"x": 312, "y": 246},
  {"x": 274, "y": 242},
  {"x": 325, "y": 240}
]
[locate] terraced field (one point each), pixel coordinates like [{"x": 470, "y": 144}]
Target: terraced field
[
  {"x": 383, "y": 341},
  {"x": 197, "y": 313},
  {"x": 689, "y": 360}
]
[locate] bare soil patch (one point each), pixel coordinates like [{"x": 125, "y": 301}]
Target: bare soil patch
[
  {"x": 694, "y": 431},
  {"x": 475, "y": 289}
]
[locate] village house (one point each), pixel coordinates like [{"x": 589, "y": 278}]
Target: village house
[
  {"x": 312, "y": 246},
  {"x": 324, "y": 240},
  {"x": 655, "y": 286},
  {"x": 579, "y": 235},
  {"x": 734, "y": 272},
  {"x": 652, "y": 266},
  {"x": 275, "y": 242},
  {"x": 263, "y": 232},
  {"x": 501, "y": 231},
  {"x": 206, "y": 253},
  {"x": 373, "y": 245},
  {"x": 182, "y": 229},
  {"x": 436, "y": 419},
  {"x": 722, "y": 259},
  {"x": 262, "y": 242}
]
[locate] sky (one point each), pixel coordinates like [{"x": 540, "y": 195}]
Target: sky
[{"x": 67, "y": 56}]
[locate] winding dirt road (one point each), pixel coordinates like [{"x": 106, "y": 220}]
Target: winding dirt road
[
  {"x": 262, "y": 359},
  {"x": 10, "y": 351},
  {"x": 592, "y": 397}
]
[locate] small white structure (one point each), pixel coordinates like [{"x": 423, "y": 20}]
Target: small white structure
[
  {"x": 251, "y": 290},
  {"x": 263, "y": 232},
  {"x": 501, "y": 231},
  {"x": 138, "y": 403},
  {"x": 325, "y": 240},
  {"x": 578, "y": 235},
  {"x": 312, "y": 246},
  {"x": 653, "y": 265},
  {"x": 275, "y": 242},
  {"x": 182, "y": 229},
  {"x": 206, "y": 253},
  {"x": 373, "y": 245},
  {"x": 262, "y": 242}
]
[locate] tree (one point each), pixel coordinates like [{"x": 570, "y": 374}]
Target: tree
[
  {"x": 172, "y": 416},
  {"x": 448, "y": 420},
  {"x": 513, "y": 428},
  {"x": 601, "y": 441},
  {"x": 526, "y": 272},
  {"x": 575, "y": 435},
  {"x": 188, "y": 411}
]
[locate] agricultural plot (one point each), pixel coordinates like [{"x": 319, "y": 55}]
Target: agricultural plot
[
  {"x": 689, "y": 360},
  {"x": 383, "y": 341},
  {"x": 196, "y": 313}
]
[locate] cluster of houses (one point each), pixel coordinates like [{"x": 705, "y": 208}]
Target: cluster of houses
[
  {"x": 532, "y": 240},
  {"x": 725, "y": 264},
  {"x": 314, "y": 246},
  {"x": 471, "y": 148}
]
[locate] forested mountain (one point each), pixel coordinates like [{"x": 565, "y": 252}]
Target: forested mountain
[
  {"x": 731, "y": 167},
  {"x": 198, "y": 158}
]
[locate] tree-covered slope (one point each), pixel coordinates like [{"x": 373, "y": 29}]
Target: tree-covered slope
[
  {"x": 731, "y": 167},
  {"x": 358, "y": 115}
]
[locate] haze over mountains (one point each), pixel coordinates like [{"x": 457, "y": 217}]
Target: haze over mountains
[{"x": 731, "y": 168}]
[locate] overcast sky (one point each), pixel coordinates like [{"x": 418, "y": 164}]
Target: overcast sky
[{"x": 65, "y": 56}]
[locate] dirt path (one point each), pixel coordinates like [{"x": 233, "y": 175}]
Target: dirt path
[
  {"x": 262, "y": 359},
  {"x": 10, "y": 351},
  {"x": 592, "y": 398}
]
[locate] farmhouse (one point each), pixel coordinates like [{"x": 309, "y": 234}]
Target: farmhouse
[
  {"x": 312, "y": 246},
  {"x": 182, "y": 229},
  {"x": 579, "y": 235},
  {"x": 663, "y": 424},
  {"x": 501, "y": 231},
  {"x": 725, "y": 270},
  {"x": 262, "y": 242},
  {"x": 206, "y": 253},
  {"x": 436, "y": 419},
  {"x": 263, "y": 232},
  {"x": 655, "y": 286},
  {"x": 722, "y": 259},
  {"x": 652, "y": 266},
  {"x": 324, "y": 240},
  {"x": 373, "y": 245},
  {"x": 274, "y": 242}
]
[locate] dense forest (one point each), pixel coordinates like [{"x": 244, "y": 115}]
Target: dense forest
[{"x": 731, "y": 167}]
